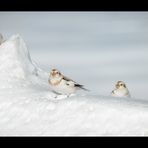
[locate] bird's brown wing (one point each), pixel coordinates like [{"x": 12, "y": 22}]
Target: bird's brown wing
[
  {"x": 75, "y": 83},
  {"x": 68, "y": 79}
]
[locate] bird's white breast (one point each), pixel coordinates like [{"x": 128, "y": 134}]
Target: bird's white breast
[
  {"x": 63, "y": 88},
  {"x": 121, "y": 93}
]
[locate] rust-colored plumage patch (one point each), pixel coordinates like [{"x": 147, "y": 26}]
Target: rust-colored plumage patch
[{"x": 54, "y": 82}]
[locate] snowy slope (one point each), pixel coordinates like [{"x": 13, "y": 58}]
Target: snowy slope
[
  {"x": 27, "y": 106},
  {"x": 17, "y": 65}
]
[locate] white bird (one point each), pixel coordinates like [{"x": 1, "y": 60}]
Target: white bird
[
  {"x": 121, "y": 90},
  {"x": 62, "y": 85}
]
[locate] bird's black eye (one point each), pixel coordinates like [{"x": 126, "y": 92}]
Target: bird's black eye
[{"x": 67, "y": 84}]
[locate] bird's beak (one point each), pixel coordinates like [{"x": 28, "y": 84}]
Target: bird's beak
[{"x": 52, "y": 73}]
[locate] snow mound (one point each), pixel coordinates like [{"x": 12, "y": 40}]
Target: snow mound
[
  {"x": 16, "y": 63},
  {"x": 28, "y": 107},
  {"x": 15, "y": 59}
]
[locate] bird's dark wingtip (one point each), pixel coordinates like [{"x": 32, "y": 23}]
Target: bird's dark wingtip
[
  {"x": 85, "y": 89},
  {"x": 81, "y": 86}
]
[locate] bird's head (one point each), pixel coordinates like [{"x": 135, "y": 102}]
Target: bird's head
[
  {"x": 120, "y": 85},
  {"x": 55, "y": 73}
]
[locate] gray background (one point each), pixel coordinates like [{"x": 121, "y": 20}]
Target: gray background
[{"x": 94, "y": 48}]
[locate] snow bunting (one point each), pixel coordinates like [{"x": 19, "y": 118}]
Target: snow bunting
[
  {"x": 62, "y": 85},
  {"x": 121, "y": 90}
]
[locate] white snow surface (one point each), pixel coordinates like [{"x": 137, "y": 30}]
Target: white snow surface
[{"x": 28, "y": 107}]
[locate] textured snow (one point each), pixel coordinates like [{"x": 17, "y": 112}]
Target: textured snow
[{"x": 28, "y": 107}]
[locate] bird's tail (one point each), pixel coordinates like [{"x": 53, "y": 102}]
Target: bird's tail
[
  {"x": 85, "y": 89},
  {"x": 81, "y": 86}
]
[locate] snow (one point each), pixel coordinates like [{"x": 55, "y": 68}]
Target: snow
[
  {"x": 28, "y": 107},
  {"x": 112, "y": 53}
]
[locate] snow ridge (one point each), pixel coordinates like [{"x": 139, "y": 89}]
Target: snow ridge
[
  {"x": 15, "y": 58},
  {"x": 16, "y": 63},
  {"x": 27, "y": 106}
]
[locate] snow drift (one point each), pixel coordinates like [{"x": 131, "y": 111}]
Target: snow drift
[
  {"x": 16, "y": 63},
  {"x": 15, "y": 59},
  {"x": 27, "y": 106}
]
